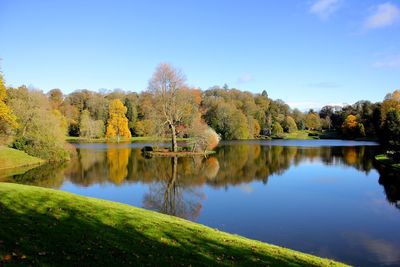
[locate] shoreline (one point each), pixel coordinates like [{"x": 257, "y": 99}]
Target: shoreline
[
  {"x": 54, "y": 223},
  {"x": 388, "y": 163}
]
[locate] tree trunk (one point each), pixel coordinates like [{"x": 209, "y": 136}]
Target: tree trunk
[{"x": 174, "y": 144}]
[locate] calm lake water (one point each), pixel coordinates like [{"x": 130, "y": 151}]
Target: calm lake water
[{"x": 321, "y": 197}]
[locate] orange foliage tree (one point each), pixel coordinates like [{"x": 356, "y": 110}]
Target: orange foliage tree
[
  {"x": 351, "y": 128},
  {"x": 117, "y": 124}
]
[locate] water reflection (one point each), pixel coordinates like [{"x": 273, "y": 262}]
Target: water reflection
[
  {"x": 341, "y": 198},
  {"x": 391, "y": 183},
  {"x": 232, "y": 165},
  {"x": 171, "y": 195}
]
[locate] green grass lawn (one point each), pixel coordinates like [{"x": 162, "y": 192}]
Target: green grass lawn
[
  {"x": 385, "y": 160},
  {"x": 52, "y": 228},
  {"x": 12, "y": 158},
  {"x": 300, "y": 135}
]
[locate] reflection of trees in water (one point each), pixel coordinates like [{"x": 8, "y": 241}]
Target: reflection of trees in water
[
  {"x": 360, "y": 158},
  {"x": 390, "y": 180},
  {"x": 245, "y": 163},
  {"x": 47, "y": 175},
  {"x": 172, "y": 196},
  {"x": 88, "y": 167},
  {"x": 118, "y": 159},
  {"x": 231, "y": 165}
]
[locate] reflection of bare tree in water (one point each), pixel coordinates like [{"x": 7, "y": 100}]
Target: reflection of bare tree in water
[{"x": 171, "y": 196}]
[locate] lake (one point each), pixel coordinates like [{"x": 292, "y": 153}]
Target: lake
[{"x": 324, "y": 197}]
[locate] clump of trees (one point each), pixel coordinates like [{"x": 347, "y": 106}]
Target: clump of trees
[
  {"x": 169, "y": 108},
  {"x": 390, "y": 123},
  {"x": 42, "y": 130}
]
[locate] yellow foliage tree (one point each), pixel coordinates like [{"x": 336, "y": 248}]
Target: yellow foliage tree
[
  {"x": 117, "y": 124},
  {"x": 6, "y": 115}
]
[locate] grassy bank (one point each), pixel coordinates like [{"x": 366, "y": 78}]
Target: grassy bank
[
  {"x": 47, "y": 227},
  {"x": 300, "y": 135},
  {"x": 12, "y": 158},
  {"x": 386, "y": 161}
]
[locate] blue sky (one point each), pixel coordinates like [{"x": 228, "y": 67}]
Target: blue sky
[{"x": 308, "y": 53}]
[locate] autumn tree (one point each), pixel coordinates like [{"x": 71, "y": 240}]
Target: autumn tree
[
  {"x": 203, "y": 136},
  {"x": 173, "y": 103},
  {"x": 117, "y": 124},
  {"x": 7, "y": 117},
  {"x": 351, "y": 128},
  {"x": 56, "y": 98}
]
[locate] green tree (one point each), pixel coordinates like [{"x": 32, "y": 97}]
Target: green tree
[
  {"x": 391, "y": 101},
  {"x": 90, "y": 128},
  {"x": 42, "y": 130},
  {"x": 391, "y": 129},
  {"x": 312, "y": 121},
  {"x": 277, "y": 129},
  {"x": 131, "y": 103},
  {"x": 289, "y": 125}
]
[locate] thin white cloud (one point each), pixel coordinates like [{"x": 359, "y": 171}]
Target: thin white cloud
[
  {"x": 324, "y": 8},
  {"x": 245, "y": 78},
  {"x": 382, "y": 15},
  {"x": 307, "y": 105},
  {"x": 392, "y": 62},
  {"x": 324, "y": 85}
]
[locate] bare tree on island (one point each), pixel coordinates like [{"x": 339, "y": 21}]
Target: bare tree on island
[
  {"x": 176, "y": 109},
  {"x": 167, "y": 85}
]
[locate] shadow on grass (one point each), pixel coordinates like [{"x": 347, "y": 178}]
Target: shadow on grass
[{"x": 51, "y": 231}]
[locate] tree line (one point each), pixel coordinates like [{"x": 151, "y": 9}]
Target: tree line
[{"x": 169, "y": 108}]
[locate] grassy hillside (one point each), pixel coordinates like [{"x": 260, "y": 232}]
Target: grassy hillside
[
  {"x": 48, "y": 227},
  {"x": 12, "y": 158}
]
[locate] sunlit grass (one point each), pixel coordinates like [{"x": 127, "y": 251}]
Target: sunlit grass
[
  {"x": 53, "y": 228},
  {"x": 385, "y": 160},
  {"x": 12, "y": 158}
]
